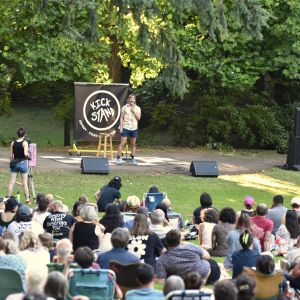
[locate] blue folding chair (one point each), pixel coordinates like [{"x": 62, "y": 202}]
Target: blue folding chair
[
  {"x": 153, "y": 199},
  {"x": 95, "y": 284}
]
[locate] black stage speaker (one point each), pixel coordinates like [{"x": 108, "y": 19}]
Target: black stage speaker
[
  {"x": 204, "y": 168},
  {"x": 293, "y": 157},
  {"x": 94, "y": 165}
]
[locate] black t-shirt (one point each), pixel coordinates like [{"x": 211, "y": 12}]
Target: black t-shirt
[
  {"x": 146, "y": 247},
  {"x": 108, "y": 195},
  {"x": 197, "y": 213},
  {"x": 59, "y": 224}
]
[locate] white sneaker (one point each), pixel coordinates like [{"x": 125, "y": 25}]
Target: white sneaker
[
  {"x": 134, "y": 162},
  {"x": 119, "y": 161}
]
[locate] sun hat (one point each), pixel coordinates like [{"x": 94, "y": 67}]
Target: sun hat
[
  {"x": 295, "y": 200},
  {"x": 133, "y": 201},
  {"x": 249, "y": 200}
]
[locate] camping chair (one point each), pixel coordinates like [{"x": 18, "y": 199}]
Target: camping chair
[
  {"x": 267, "y": 286},
  {"x": 128, "y": 216},
  {"x": 95, "y": 284},
  {"x": 188, "y": 295},
  {"x": 10, "y": 283},
  {"x": 153, "y": 199},
  {"x": 59, "y": 267},
  {"x": 126, "y": 275},
  {"x": 174, "y": 219}
]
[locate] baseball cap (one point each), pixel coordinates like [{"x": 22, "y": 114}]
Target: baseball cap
[
  {"x": 117, "y": 179},
  {"x": 133, "y": 201},
  {"x": 24, "y": 211},
  {"x": 11, "y": 203},
  {"x": 249, "y": 200},
  {"x": 295, "y": 200}
]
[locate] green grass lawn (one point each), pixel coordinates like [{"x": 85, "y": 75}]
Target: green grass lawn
[{"x": 182, "y": 190}]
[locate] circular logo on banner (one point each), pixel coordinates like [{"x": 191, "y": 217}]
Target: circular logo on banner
[{"x": 101, "y": 110}]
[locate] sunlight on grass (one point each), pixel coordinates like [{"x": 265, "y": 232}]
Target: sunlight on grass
[{"x": 263, "y": 182}]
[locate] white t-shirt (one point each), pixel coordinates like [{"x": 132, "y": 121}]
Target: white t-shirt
[
  {"x": 17, "y": 228},
  {"x": 40, "y": 217},
  {"x": 40, "y": 257}
]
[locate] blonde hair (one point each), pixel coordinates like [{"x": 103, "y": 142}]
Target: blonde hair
[{"x": 29, "y": 239}]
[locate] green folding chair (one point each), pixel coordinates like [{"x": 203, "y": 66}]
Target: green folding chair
[
  {"x": 10, "y": 282},
  {"x": 95, "y": 284}
]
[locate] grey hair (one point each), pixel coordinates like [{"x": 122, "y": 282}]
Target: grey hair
[
  {"x": 119, "y": 238},
  {"x": 64, "y": 247},
  {"x": 157, "y": 216},
  {"x": 88, "y": 213},
  {"x": 57, "y": 204},
  {"x": 173, "y": 283}
]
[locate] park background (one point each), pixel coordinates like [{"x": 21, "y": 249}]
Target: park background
[{"x": 218, "y": 75}]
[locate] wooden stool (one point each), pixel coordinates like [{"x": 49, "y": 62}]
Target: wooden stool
[{"x": 105, "y": 145}]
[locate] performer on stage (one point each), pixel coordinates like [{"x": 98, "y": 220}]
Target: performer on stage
[
  {"x": 130, "y": 115},
  {"x": 19, "y": 163}
]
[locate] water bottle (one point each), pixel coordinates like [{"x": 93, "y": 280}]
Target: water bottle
[{"x": 18, "y": 196}]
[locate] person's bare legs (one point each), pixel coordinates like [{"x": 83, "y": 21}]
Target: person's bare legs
[
  {"x": 121, "y": 147},
  {"x": 12, "y": 181},
  {"x": 25, "y": 187},
  {"x": 133, "y": 146}
]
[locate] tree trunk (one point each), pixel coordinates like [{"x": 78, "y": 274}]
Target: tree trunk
[
  {"x": 67, "y": 132},
  {"x": 114, "y": 63}
]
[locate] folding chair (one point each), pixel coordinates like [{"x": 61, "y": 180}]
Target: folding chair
[
  {"x": 188, "y": 295},
  {"x": 10, "y": 283},
  {"x": 153, "y": 199},
  {"x": 126, "y": 275},
  {"x": 59, "y": 267},
  {"x": 95, "y": 284}
]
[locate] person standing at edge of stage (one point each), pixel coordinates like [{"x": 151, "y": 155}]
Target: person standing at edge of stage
[
  {"x": 130, "y": 115},
  {"x": 19, "y": 163}
]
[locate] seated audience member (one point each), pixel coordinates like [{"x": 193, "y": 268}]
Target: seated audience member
[
  {"x": 157, "y": 218},
  {"x": 49, "y": 199},
  {"x": 182, "y": 258},
  {"x": 268, "y": 282},
  {"x": 276, "y": 213},
  {"x": 22, "y": 222},
  {"x": 220, "y": 231},
  {"x": 2, "y": 205},
  {"x": 248, "y": 210},
  {"x": 46, "y": 240},
  {"x": 245, "y": 257},
  {"x": 225, "y": 290},
  {"x": 58, "y": 223},
  {"x": 205, "y": 202},
  {"x": 145, "y": 278},
  {"x": 295, "y": 203},
  {"x": 164, "y": 208},
  {"x": 112, "y": 218},
  {"x": 143, "y": 211},
  {"x": 209, "y": 219},
  {"x": 193, "y": 281},
  {"x": 40, "y": 213},
  {"x": 293, "y": 256},
  {"x": 132, "y": 204},
  {"x": 57, "y": 286},
  {"x": 293, "y": 276},
  {"x": 172, "y": 214},
  {"x": 246, "y": 287},
  {"x": 287, "y": 234},
  {"x": 233, "y": 239},
  {"x": 119, "y": 241},
  {"x": 12, "y": 261},
  {"x": 31, "y": 250},
  {"x": 85, "y": 258},
  {"x": 35, "y": 281},
  {"x": 86, "y": 232},
  {"x": 6, "y": 217},
  {"x": 173, "y": 283},
  {"x": 261, "y": 221},
  {"x": 109, "y": 193},
  {"x": 64, "y": 250},
  {"x": 143, "y": 243},
  {"x": 76, "y": 210}
]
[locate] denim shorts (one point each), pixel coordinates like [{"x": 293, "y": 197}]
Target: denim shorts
[
  {"x": 129, "y": 133},
  {"x": 21, "y": 166}
]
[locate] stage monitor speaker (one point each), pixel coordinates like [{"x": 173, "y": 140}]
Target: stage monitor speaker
[
  {"x": 204, "y": 168},
  {"x": 293, "y": 157},
  {"x": 94, "y": 165},
  {"x": 297, "y": 123}
]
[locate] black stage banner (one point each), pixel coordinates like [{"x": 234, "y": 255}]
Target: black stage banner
[{"x": 97, "y": 109}]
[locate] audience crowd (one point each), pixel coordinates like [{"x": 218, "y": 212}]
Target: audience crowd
[{"x": 249, "y": 254}]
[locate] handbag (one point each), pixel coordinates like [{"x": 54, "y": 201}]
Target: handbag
[{"x": 13, "y": 163}]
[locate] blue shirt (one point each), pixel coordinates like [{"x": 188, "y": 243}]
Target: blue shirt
[
  {"x": 119, "y": 254},
  {"x": 144, "y": 293},
  {"x": 243, "y": 258}
]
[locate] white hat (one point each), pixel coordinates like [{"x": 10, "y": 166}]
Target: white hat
[
  {"x": 295, "y": 200},
  {"x": 133, "y": 201}
]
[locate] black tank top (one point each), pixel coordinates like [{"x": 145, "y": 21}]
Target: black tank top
[
  {"x": 18, "y": 150},
  {"x": 84, "y": 235}
]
